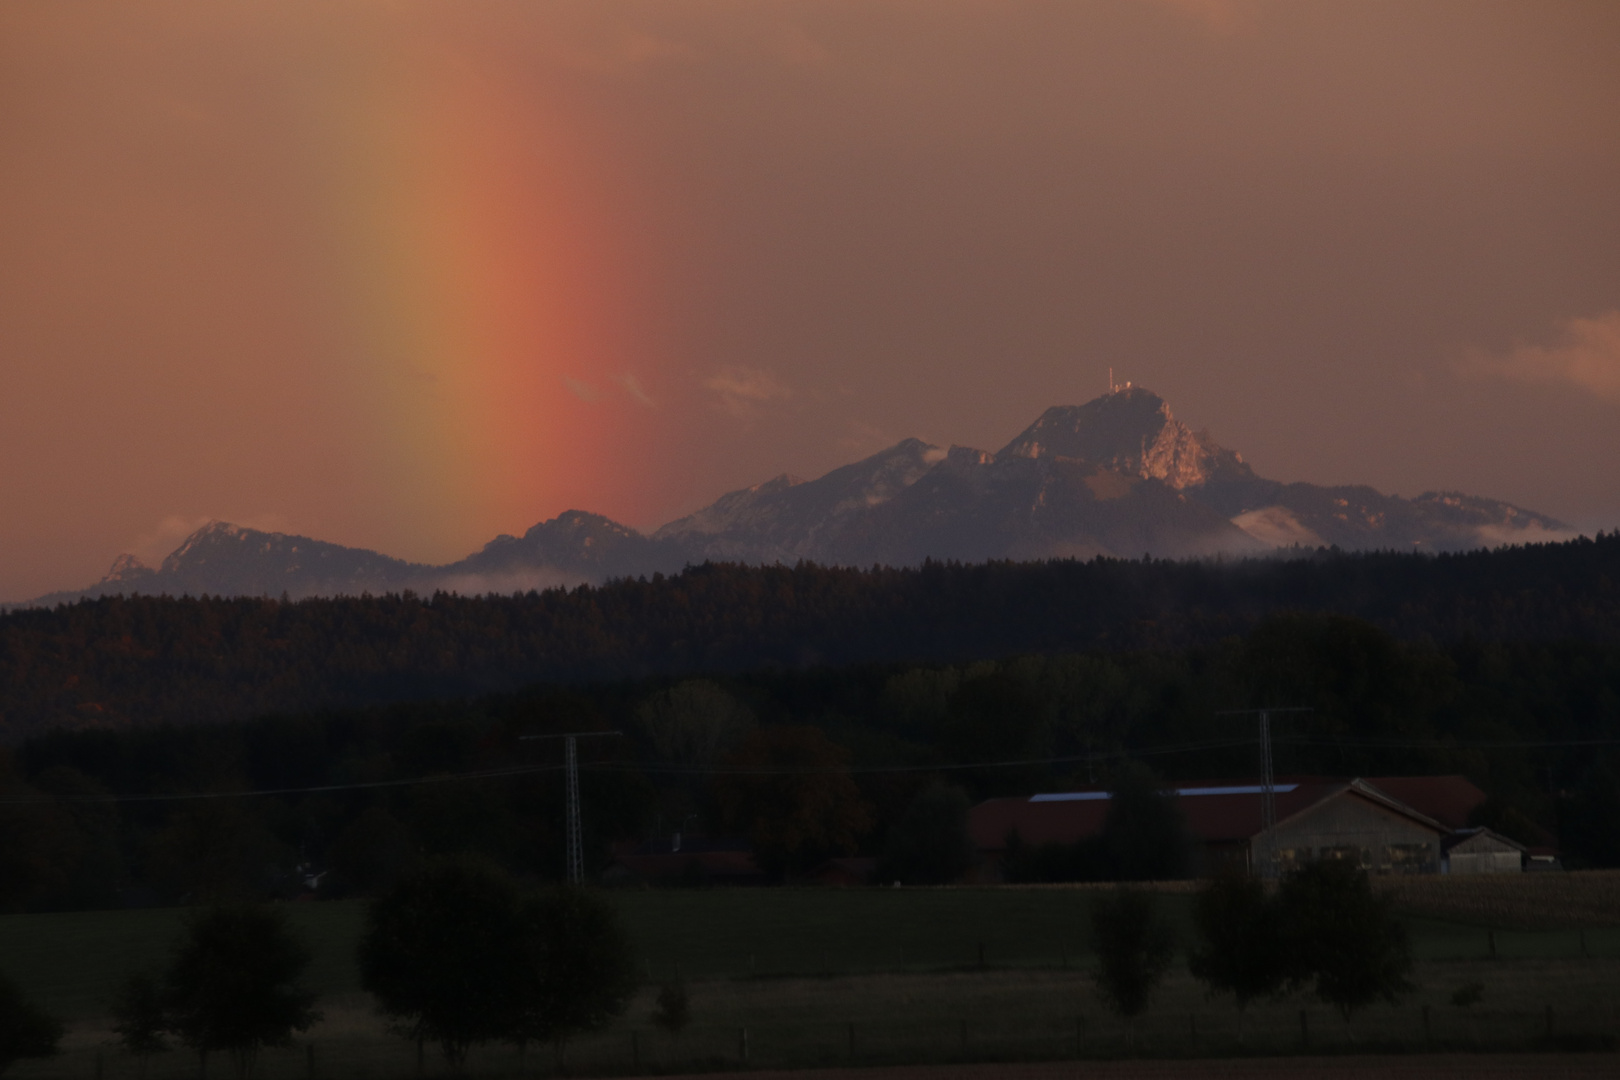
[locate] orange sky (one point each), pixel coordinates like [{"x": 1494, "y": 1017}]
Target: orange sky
[{"x": 409, "y": 274}]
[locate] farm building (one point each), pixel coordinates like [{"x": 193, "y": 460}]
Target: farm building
[
  {"x": 1317, "y": 818},
  {"x": 1481, "y": 851}
]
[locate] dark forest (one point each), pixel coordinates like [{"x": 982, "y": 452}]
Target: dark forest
[{"x": 999, "y": 679}]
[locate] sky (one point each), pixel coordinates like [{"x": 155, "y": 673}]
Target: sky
[{"x": 406, "y": 275}]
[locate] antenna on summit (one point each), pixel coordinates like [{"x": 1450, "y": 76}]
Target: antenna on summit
[{"x": 1110, "y": 380}]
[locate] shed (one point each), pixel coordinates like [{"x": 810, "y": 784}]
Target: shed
[{"x": 1482, "y": 851}]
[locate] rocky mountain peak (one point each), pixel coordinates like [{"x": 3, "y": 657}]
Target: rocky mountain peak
[
  {"x": 1130, "y": 431},
  {"x": 579, "y": 522},
  {"x": 125, "y": 569}
]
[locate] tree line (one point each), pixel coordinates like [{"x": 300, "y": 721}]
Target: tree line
[{"x": 140, "y": 660}]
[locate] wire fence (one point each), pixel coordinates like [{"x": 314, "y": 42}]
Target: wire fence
[{"x": 871, "y": 1041}]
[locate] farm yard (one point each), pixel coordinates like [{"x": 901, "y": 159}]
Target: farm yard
[{"x": 803, "y": 978}]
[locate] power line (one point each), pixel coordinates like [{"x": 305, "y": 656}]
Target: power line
[
  {"x": 443, "y": 778},
  {"x": 655, "y": 768},
  {"x": 676, "y": 769},
  {"x": 663, "y": 768}
]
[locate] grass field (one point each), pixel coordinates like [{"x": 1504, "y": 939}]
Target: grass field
[
  {"x": 1587, "y": 899},
  {"x": 797, "y": 967}
]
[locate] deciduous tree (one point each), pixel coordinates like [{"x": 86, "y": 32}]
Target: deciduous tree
[
  {"x": 581, "y": 971},
  {"x": 233, "y": 984},
  {"x": 1240, "y": 950},
  {"x": 929, "y": 845},
  {"x": 789, "y": 791},
  {"x": 25, "y": 1030},
  {"x": 445, "y": 954},
  {"x": 1144, "y": 835},
  {"x": 1134, "y": 946},
  {"x": 1342, "y": 938}
]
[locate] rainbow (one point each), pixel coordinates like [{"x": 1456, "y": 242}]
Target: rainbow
[{"x": 479, "y": 277}]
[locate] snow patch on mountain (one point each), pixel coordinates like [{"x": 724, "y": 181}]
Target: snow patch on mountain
[{"x": 1278, "y": 527}]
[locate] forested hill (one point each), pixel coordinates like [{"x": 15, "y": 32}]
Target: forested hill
[{"x": 136, "y": 660}]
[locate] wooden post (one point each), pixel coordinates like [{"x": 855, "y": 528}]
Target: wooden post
[
  {"x": 1304, "y": 1028},
  {"x": 742, "y": 1045}
]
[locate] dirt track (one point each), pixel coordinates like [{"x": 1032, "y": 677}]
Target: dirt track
[{"x": 1410, "y": 1067}]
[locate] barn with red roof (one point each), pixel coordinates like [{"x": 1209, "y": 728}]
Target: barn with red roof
[{"x": 1391, "y": 825}]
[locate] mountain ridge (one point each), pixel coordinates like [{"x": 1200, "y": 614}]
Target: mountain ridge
[{"x": 1116, "y": 476}]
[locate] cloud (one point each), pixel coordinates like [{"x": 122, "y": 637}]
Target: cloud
[
  {"x": 581, "y": 390},
  {"x": 743, "y": 391},
  {"x": 632, "y": 386},
  {"x": 1588, "y": 356},
  {"x": 1494, "y": 536}
]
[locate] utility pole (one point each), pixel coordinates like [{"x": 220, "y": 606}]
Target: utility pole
[
  {"x": 1268, "y": 785},
  {"x": 576, "y": 834}
]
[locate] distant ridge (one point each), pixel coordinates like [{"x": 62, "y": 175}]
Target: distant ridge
[{"x": 1118, "y": 475}]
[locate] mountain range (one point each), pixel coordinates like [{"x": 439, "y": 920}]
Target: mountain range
[{"x": 1117, "y": 476}]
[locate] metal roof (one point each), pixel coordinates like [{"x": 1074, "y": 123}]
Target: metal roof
[{"x": 1217, "y": 812}]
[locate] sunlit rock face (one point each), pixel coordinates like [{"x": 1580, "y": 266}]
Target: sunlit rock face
[
  {"x": 786, "y": 519},
  {"x": 1128, "y": 431},
  {"x": 126, "y": 570}
]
